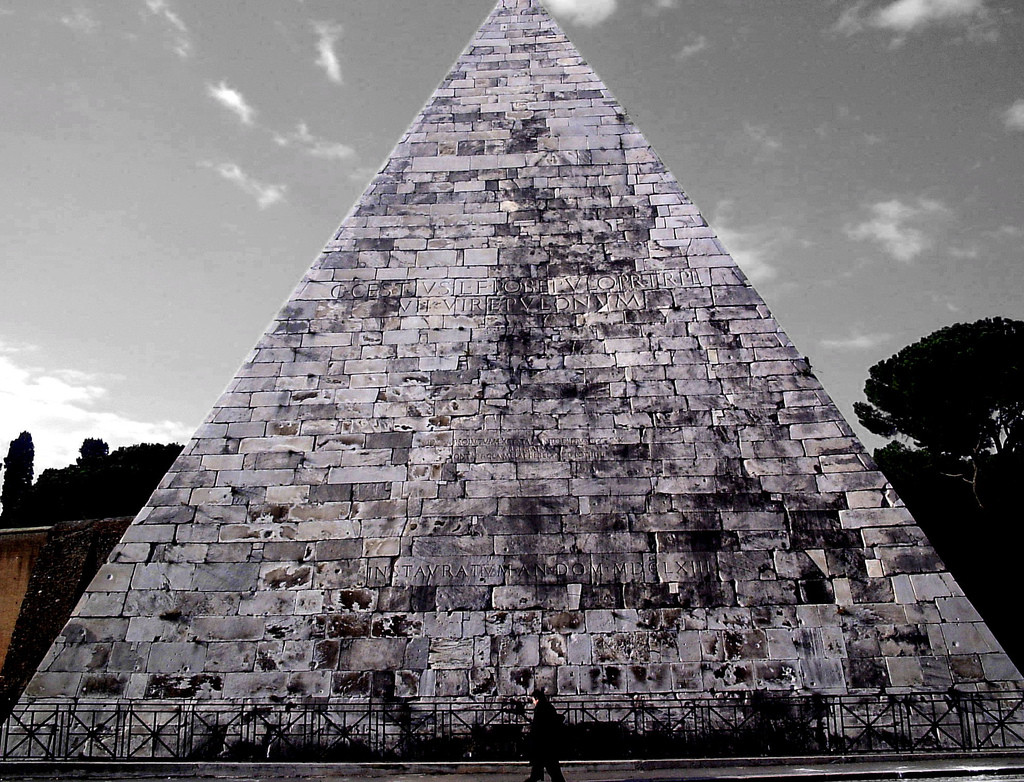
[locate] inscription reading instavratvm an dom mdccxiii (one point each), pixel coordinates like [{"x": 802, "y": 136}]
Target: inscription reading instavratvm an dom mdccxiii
[
  {"x": 541, "y": 569},
  {"x": 491, "y": 296}
]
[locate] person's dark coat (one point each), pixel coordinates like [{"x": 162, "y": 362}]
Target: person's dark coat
[{"x": 545, "y": 731}]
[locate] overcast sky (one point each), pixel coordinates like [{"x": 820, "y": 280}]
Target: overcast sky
[{"x": 170, "y": 169}]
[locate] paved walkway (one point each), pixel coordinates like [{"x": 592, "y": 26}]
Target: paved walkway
[{"x": 999, "y": 768}]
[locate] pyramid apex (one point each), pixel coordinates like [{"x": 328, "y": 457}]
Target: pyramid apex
[{"x": 521, "y": 5}]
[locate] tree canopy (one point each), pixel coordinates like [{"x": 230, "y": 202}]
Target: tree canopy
[
  {"x": 18, "y": 471},
  {"x": 955, "y": 401},
  {"x": 957, "y": 394},
  {"x": 100, "y": 485},
  {"x": 92, "y": 449},
  {"x": 958, "y": 391}
]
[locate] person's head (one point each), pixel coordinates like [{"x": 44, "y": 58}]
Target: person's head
[{"x": 538, "y": 696}]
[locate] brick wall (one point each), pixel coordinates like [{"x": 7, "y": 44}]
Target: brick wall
[{"x": 19, "y": 549}]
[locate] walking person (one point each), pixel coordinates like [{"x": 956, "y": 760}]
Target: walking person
[{"x": 544, "y": 739}]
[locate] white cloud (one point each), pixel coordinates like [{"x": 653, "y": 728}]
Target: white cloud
[
  {"x": 362, "y": 175},
  {"x": 182, "y": 43},
  {"x": 81, "y": 21},
  {"x": 61, "y": 407},
  {"x": 947, "y": 302},
  {"x": 314, "y": 145},
  {"x": 965, "y": 253},
  {"x": 904, "y": 230},
  {"x": 585, "y": 12},
  {"x": 750, "y": 247},
  {"x": 327, "y": 36},
  {"x": 851, "y": 20},
  {"x": 905, "y": 17},
  {"x": 593, "y": 12},
  {"x": 1013, "y": 117},
  {"x": 696, "y": 45},
  {"x": 766, "y": 143},
  {"x": 857, "y": 341},
  {"x": 265, "y": 195},
  {"x": 657, "y": 6},
  {"x": 232, "y": 100}
]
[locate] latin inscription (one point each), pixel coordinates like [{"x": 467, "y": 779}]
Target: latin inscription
[
  {"x": 488, "y": 449},
  {"x": 490, "y": 296},
  {"x": 494, "y": 571}
]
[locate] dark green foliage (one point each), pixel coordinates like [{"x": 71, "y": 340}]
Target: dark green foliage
[
  {"x": 980, "y": 545},
  {"x": 18, "y": 471},
  {"x": 100, "y": 485},
  {"x": 92, "y": 449},
  {"x": 932, "y": 487},
  {"x": 957, "y": 392},
  {"x": 958, "y": 395}
]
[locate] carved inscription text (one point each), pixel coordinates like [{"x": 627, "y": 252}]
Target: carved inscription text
[
  {"x": 493, "y": 296},
  {"x": 540, "y": 569}
]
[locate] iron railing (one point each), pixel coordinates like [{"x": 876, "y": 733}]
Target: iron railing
[{"x": 438, "y": 729}]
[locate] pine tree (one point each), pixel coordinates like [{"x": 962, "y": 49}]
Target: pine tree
[
  {"x": 18, "y": 473},
  {"x": 92, "y": 450}
]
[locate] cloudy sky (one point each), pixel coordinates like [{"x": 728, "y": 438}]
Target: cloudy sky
[{"x": 171, "y": 168}]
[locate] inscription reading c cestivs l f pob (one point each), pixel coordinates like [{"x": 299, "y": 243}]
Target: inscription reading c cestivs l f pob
[{"x": 493, "y": 296}]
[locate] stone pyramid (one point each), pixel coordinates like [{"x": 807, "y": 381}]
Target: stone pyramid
[{"x": 523, "y": 423}]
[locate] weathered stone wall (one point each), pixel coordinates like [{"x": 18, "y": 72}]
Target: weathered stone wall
[
  {"x": 64, "y": 559},
  {"x": 524, "y": 423},
  {"x": 18, "y": 551}
]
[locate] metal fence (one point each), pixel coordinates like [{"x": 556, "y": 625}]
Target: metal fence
[{"x": 436, "y": 729}]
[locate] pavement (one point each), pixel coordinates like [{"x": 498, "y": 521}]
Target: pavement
[{"x": 998, "y": 767}]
